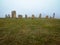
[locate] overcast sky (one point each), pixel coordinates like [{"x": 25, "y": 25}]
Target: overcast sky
[{"x": 29, "y": 7}]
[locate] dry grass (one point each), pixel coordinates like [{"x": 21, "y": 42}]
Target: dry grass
[{"x": 29, "y": 31}]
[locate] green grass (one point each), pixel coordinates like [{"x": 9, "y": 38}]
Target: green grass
[{"x": 29, "y": 31}]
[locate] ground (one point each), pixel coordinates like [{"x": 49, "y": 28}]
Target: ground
[{"x": 29, "y": 31}]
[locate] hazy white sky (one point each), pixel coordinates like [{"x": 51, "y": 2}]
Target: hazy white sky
[{"x": 29, "y": 7}]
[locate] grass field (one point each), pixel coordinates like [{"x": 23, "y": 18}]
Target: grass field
[{"x": 29, "y": 31}]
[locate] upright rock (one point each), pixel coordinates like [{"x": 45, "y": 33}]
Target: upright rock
[
  {"x": 19, "y": 16},
  {"x": 33, "y": 16},
  {"x": 53, "y": 15},
  {"x": 47, "y": 17},
  {"x": 13, "y": 13},
  {"x": 40, "y": 15},
  {"x": 26, "y": 16}
]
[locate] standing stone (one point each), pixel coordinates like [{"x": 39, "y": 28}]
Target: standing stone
[
  {"x": 8, "y": 15},
  {"x": 33, "y": 16},
  {"x": 53, "y": 15},
  {"x": 19, "y": 16},
  {"x": 47, "y": 17},
  {"x": 40, "y": 15},
  {"x": 13, "y": 14},
  {"x": 50, "y": 17},
  {"x": 26, "y": 16}
]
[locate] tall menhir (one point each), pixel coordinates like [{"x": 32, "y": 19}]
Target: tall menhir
[
  {"x": 40, "y": 15},
  {"x": 53, "y": 15},
  {"x": 13, "y": 14}
]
